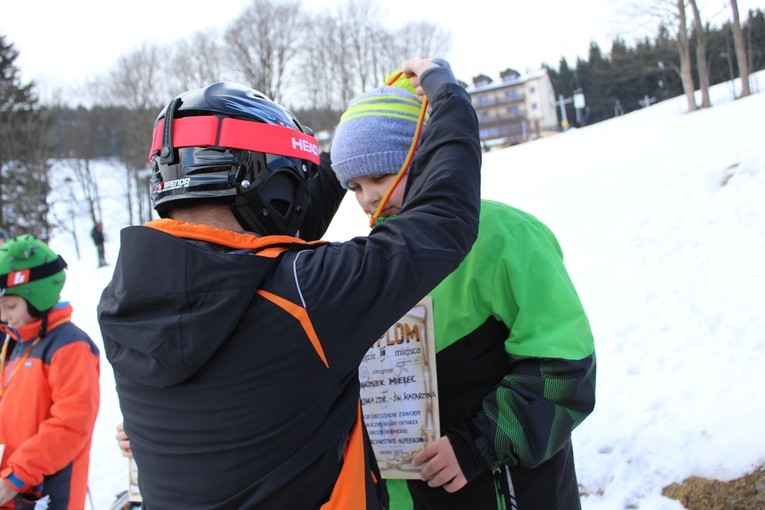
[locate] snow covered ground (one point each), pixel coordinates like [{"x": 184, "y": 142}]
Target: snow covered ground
[{"x": 661, "y": 216}]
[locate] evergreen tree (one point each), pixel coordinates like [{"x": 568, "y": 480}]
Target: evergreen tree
[
  {"x": 722, "y": 55},
  {"x": 668, "y": 64},
  {"x": 23, "y": 152},
  {"x": 754, "y": 35},
  {"x": 594, "y": 77}
]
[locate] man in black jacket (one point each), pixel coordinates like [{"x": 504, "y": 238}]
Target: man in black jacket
[
  {"x": 236, "y": 344},
  {"x": 97, "y": 234}
]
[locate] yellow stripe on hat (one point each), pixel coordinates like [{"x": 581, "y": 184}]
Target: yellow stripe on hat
[
  {"x": 387, "y": 98},
  {"x": 383, "y": 106},
  {"x": 377, "y": 112}
]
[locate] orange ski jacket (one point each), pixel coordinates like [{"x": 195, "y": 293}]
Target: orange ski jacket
[{"x": 48, "y": 407}]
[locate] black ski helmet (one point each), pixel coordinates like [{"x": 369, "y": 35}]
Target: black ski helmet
[{"x": 229, "y": 142}]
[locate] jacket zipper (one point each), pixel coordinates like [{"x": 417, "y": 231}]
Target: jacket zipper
[{"x": 503, "y": 485}]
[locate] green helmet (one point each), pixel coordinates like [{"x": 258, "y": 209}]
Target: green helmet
[{"x": 31, "y": 270}]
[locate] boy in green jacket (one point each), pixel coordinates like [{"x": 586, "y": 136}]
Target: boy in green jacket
[{"x": 515, "y": 352}]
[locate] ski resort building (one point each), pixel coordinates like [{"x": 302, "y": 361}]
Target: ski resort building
[{"x": 517, "y": 109}]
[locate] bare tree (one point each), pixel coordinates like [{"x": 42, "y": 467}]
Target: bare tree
[
  {"x": 701, "y": 55},
  {"x": 193, "y": 63},
  {"x": 684, "y": 52},
  {"x": 262, "y": 41},
  {"x": 347, "y": 73},
  {"x": 353, "y": 53},
  {"x": 421, "y": 39},
  {"x": 348, "y": 51},
  {"x": 65, "y": 218},
  {"x": 669, "y": 14},
  {"x": 343, "y": 53},
  {"x": 85, "y": 179},
  {"x": 134, "y": 86},
  {"x": 738, "y": 43},
  {"x": 364, "y": 42},
  {"x": 321, "y": 71}
]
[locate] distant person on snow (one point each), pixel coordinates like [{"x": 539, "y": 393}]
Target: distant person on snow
[
  {"x": 236, "y": 344},
  {"x": 515, "y": 354},
  {"x": 50, "y": 389},
  {"x": 97, "y": 234}
]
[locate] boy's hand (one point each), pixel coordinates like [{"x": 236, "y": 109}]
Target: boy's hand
[
  {"x": 440, "y": 466},
  {"x": 6, "y": 493}
]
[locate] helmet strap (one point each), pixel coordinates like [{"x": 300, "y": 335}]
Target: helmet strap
[
  {"x": 33, "y": 311},
  {"x": 168, "y": 154},
  {"x": 43, "y": 325},
  {"x": 23, "y": 276}
]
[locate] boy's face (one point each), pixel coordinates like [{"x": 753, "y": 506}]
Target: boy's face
[
  {"x": 13, "y": 310},
  {"x": 370, "y": 190}
]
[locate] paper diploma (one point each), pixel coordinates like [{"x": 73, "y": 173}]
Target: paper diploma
[{"x": 399, "y": 392}]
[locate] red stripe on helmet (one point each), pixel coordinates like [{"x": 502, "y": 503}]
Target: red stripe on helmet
[{"x": 209, "y": 131}]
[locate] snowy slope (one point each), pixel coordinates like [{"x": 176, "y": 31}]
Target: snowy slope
[{"x": 661, "y": 216}]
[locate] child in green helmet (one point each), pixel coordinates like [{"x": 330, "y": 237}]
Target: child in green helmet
[
  {"x": 49, "y": 391},
  {"x": 515, "y": 356}
]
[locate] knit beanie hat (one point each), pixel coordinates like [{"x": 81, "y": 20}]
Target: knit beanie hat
[{"x": 375, "y": 132}]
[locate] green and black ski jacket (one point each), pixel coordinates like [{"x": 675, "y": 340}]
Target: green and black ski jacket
[{"x": 516, "y": 370}]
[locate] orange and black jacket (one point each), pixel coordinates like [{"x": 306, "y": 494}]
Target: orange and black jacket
[
  {"x": 236, "y": 356},
  {"x": 48, "y": 407}
]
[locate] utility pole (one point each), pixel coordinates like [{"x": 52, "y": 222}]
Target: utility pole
[
  {"x": 562, "y": 102},
  {"x": 578, "y": 101},
  {"x": 647, "y": 101}
]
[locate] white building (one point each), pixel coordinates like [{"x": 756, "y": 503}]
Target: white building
[{"x": 516, "y": 109}]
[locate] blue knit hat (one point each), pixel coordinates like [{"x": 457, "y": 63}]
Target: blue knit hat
[{"x": 375, "y": 132}]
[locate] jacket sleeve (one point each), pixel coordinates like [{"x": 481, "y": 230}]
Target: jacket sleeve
[
  {"x": 550, "y": 387},
  {"x": 353, "y": 291},
  {"x": 325, "y": 196},
  {"x": 75, "y": 393}
]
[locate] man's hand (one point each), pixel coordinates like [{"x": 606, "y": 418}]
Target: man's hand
[
  {"x": 413, "y": 68},
  {"x": 123, "y": 442},
  {"x": 440, "y": 467}
]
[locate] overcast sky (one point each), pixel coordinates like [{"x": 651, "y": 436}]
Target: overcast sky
[{"x": 66, "y": 43}]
